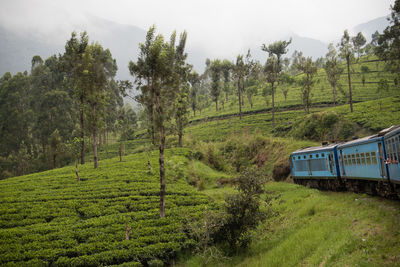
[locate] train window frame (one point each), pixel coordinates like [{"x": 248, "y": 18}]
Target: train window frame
[
  {"x": 362, "y": 155},
  {"x": 345, "y": 160},
  {"x": 394, "y": 149},
  {"x": 353, "y": 159},
  {"x": 368, "y": 158},
  {"x": 358, "y": 159},
  {"x": 374, "y": 159},
  {"x": 388, "y": 149}
]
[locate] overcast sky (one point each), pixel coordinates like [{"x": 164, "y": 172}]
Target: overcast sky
[{"x": 218, "y": 27}]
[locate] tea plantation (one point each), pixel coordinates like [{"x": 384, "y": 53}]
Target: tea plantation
[{"x": 50, "y": 218}]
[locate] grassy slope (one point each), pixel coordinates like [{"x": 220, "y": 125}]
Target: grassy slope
[
  {"x": 49, "y": 218},
  {"x": 321, "y": 93},
  {"x": 314, "y": 228}
]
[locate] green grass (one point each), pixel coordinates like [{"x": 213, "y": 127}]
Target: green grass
[
  {"x": 49, "y": 218},
  {"x": 314, "y": 228}
]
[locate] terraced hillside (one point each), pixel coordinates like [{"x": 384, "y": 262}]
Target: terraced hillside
[
  {"x": 50, "y": 219},
  {"x": 321, "y": 93}
]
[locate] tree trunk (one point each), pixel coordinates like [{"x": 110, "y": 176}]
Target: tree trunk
[
  {"x": 76, "y": 172},
  {"x": 162, "y": 172},
  {"x": 148, "y": 166},
  {"x": 273, "y": 106},
  {"x": 120, "y": 152},
  {"x": 104, "y": 137},
  {"x": 180, "y": 139},
  {"x": 82, "y": 123},
  {"x": 240, "y": 101},
  {"x": 194, "y": 112},
  {"x": 334, "y": 95},
  {"x": 54, "y": 160},
  {"x": 216, "y": 104},
  {"x": 349, "y": 80},
  {"x": 95, "y": 147}
]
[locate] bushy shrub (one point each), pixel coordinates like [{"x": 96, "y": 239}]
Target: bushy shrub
[
  {"x": 323, "y": 126},
  {"x": 243, "y": 212},
  {"x": 281, "y": 171}
]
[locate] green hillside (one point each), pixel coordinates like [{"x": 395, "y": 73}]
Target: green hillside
[
  {"x": 321, "y": 93},
  {"x": 50, "y": 219}
]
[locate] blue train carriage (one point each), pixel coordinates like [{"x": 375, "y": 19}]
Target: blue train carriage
[
  {"x": 392, "y": 149},
  {"x": 363, "y": 166},
  {"x": 316, "y": 167}
]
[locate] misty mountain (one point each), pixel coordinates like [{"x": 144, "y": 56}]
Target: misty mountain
[
  {"x": 368, "y": 28},
  {"x": 310, "y": 48},
  {"x": 18, "y": 48}
]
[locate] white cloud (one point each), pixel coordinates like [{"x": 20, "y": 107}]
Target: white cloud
[{"x": 219, "y": 27}]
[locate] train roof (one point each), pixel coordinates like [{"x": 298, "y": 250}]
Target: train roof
[
  {"x": 315, "y": 148},
  {"x": 395, "y": 129},
  {"x": 364, "y": 140}
]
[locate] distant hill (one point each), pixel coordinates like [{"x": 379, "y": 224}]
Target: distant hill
[
  {"x": 368, "y": 28},
  {"x": 310, "y": 48},
  {"x": 17, "y": 48}
]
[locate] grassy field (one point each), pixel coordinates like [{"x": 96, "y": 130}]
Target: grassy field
[
  {"x": 49, "y": 219},
  {"x": 314, "y": 228}
]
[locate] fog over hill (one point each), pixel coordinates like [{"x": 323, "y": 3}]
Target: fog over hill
[{"x": 18, "y": 48}]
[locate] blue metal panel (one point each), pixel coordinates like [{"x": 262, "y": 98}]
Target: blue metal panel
[
  {"x": 363, "y": 160},
  {"x": 392, "y": 152},
  {"x": 316, "y": 162}
]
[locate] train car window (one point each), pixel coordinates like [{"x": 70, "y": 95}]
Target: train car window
[
  {"x": 362, "y": 155},
  {"x": 322, "y": 155},
  {"x": 358, "y": 158},
  {"x": 317, "y": 155},
  {"x": 298, "y": 157},
  {"x": 398, "y": 148},
  {"x": 388, "y": 149},
  {"x": 367, "y": 155},
  {"x": 345, "y": 160},
  {"x": 394, "y": 149},
  {"x": 353, "y": 159},
  {"x": 310, "y": 156},
  {"x": 373, "y": 156},
  {"x": 304, "y": 156}
]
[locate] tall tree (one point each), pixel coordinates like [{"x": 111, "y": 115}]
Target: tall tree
[
  {"x": 74, "y": 50},
  {"x": 286, "y": 81},
  {"x": 97, "y": 68},
  {"x": 333, "y": 70},
  {"x": 194, "y": 80},
  {"x": 388, "y": 48},
  {"x": 347, "y": 52},
  {"x": 273, "y": 67},
  {"x": 309, "y": 69},
  {"x": 216, "y": 69},
  {"x": 182, "y": 73},
  {"x": 358, "y": 42},
  {"x": 226, "y": 68},
  {"x": 239, "y": 72},
  {"x": 271, "y": 70},
  {"x": 156, "y": 78}
]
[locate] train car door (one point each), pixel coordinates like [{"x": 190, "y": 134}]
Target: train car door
[
  {"x": 381, "y": 160},
  {"x": 342, "y": 162}
]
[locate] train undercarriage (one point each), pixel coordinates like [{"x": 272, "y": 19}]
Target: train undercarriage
[{"x": 371, "y": 187}]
